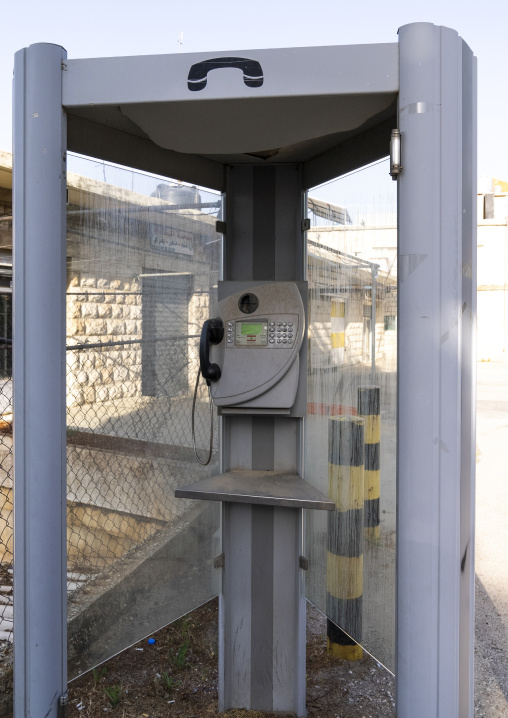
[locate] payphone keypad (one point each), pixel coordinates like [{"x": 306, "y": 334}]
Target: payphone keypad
[{"x": 277, "y": 331}]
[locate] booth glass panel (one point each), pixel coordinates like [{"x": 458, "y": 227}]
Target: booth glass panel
[
  {"x": 143, "y": 262},
  {"x": 351, "y": 424}
]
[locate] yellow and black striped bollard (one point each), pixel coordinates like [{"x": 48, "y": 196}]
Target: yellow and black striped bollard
[
  {"x": 369, "y": 409},
  {"x": 344, "y": 570}
]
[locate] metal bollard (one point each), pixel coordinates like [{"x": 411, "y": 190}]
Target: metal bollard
[
  {"x": 369, "y": 408},
  {"x": 344, "y": 569}
]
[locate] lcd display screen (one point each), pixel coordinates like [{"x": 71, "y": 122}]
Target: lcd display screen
[{"x": 251, "y": 334}]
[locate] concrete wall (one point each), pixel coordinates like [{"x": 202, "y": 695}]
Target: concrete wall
[
  {"x": 355, "y": 351},
  {"x": 342, "y": 263},
  {"x": 379, "y": 245}
]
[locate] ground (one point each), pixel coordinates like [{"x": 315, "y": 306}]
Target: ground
[
  {"x": 177, "y": 676},
  {"x": 491, "y": 634}
]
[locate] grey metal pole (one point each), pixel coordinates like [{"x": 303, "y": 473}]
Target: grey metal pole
[
  {"x": 262, "y": 605},
  {"x": 373, "y": 320},
  {"x": 40, "y": 607},
  {"x": 435, "y": 374}
]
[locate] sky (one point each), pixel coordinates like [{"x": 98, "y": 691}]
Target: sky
[{"x": 115, "y": 27}]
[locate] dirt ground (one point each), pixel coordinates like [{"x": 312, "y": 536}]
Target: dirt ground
[
  {"x": 153, "y": 683},
  {"x": 177, "y": 676}
]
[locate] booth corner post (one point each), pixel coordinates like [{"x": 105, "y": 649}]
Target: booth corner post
[
  {"x": 261, "y": 634},
  {"x": 437, "y": 281},
  {"x": 40, "y": 607}
]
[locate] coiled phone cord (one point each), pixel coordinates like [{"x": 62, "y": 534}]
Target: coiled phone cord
[{"x": 203, "y": 463}]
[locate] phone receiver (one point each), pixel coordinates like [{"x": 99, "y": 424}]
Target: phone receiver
[
  {"x": 198, "y": 74},
  {"x": 212, "y": 333}
]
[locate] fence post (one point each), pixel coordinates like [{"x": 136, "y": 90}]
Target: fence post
[
  {"x": 344, "y": 570},
  {"x": 369, "y": 407}
]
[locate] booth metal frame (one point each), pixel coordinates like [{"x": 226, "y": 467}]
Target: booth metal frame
[{"x": 320, "y": 112}]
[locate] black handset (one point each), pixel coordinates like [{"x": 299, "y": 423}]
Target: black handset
[
  {"x": 212, "y": 333},
  {"x": 198, "y": 74}
]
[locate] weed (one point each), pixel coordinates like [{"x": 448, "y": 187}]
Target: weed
[
  {"x": 180, "y": 659},
  {"x": 165, "y": 683},
  {"x": 169, "y": 681},
  {"x": 98, "y": 675},
  {"x": 114, "y": 694},
  {"x": 183, "y": 627}
]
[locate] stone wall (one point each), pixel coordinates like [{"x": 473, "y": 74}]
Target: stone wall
[
  {"x": 200, "y": 309},
  {"x": 99, "y": 311}
]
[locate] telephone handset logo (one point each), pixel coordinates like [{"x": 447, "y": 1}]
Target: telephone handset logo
[{"x": 198, "y": 74}]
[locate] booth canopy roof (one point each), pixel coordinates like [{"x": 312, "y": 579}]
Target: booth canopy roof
[{"x": 293, "y": 105}]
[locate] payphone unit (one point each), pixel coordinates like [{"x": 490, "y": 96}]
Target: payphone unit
[{"x": 250, "y": 355}]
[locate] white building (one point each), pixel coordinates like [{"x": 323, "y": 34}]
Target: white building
[{"x": 493, "y": 271}]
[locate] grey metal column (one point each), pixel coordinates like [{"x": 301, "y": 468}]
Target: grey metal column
[
  {"x": 262, "y": 644},
  {"x": 435, "y": 368},
  {"x": 262, "y": 616},
  {"x": 40, "y": 547}
]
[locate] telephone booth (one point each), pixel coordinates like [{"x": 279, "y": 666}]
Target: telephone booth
[{"x": 244, "y": 313}]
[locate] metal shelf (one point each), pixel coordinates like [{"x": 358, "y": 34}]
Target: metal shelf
[{"x": 273, "y": 488}]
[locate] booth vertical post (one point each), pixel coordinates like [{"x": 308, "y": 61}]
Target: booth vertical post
[
  {"x": 369, "y": 407},
  {"x": 436, "y": 315},
  {"x": 261, "y": 637},
  {"x": 344, "y": 560},
  {"x": 40, "y": 545}
]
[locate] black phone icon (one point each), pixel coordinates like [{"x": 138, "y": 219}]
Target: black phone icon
[{"x": 198, "y": 74}]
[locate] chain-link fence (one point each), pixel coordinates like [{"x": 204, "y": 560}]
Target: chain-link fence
[
  {"x": 6, "y": 477},
  {"x": 129, "y": 442},
  {"x": 129, "y": 445},
  {"x": 137, "y": 557}
]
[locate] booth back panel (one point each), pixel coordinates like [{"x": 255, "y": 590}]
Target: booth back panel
[
  {"x": 350, "y": 446},
  {"x": 143, "y": 261}
]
